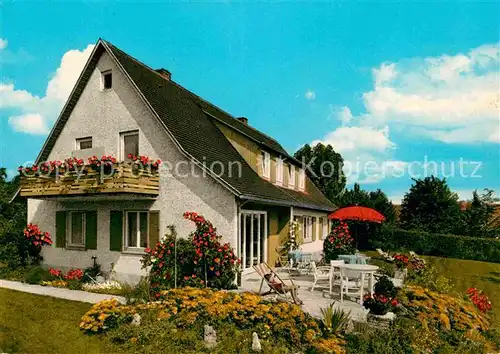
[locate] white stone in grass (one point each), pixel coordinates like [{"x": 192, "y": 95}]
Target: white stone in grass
[
  {"x": 256, "y": 347},
  {"x": 210, "y": 337},
  {"x": 136, "y": 320}
]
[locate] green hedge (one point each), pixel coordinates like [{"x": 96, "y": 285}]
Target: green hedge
[{"x": 442, "y": 245}]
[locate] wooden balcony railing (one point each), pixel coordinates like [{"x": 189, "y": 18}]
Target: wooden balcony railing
[{"x": 126, "y": 179}]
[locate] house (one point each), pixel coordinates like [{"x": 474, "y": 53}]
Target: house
[{"x": 212, "y": 163}]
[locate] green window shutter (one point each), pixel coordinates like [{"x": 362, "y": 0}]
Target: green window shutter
[
  {"x": 154, "y": 227},
  {"x": 115, "y": 230},
  {"x": 61, "y": 229},
  {"x": 91, "y": 230}
]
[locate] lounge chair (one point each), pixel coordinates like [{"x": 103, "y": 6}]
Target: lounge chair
[{"x": 276, "y": 284}]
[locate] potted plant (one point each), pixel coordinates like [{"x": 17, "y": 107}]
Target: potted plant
[{"x": 401, "y": 261}]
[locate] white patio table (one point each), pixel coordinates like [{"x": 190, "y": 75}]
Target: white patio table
[{"x": 367, "y": 271}]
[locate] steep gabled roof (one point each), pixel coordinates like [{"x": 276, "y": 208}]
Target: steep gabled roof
[{"x": 189, "y": 120}]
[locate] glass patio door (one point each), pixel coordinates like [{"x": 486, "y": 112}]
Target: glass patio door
[{"x": 252, "y": 238}]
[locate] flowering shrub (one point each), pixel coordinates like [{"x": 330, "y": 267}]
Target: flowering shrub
[
  {"x": 72, "y": 274},
  {"x": 417, "y": 265},
  {"x": 479, "y": 299},
  {"x": 38, "y": 238},
  {"x": 216, "y": 262},
  {"x": 338, "y": 242},
  {"x": 32, "y": 244},
  {"x": 105, "y": 315},
  {"x": 442, "y": 311},
  {"x": 401, "y": 261},
  {"x": 186, "y": 307},
  {"x": 202, "y": 260}
]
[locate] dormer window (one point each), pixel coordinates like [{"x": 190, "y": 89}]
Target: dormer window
[
  {"x": 291, "y": 176},
  {"x": 302, "y": 179},
  {"x": 266, "y": 164},
  {"x": 279, "y": 171},
  {"x": 107, "y": 80}
]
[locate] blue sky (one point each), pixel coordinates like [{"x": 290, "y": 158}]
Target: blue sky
[{"x": 386, "y": 84}]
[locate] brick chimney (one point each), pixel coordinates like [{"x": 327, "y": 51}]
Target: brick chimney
[
  {"x": 243, "y": 120},
  {"x": 165, "y": 73}
]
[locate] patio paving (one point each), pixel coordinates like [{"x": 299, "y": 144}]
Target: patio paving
[{"x": 313, "y": 301}]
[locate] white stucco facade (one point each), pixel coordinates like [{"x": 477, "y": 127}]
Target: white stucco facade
[{"x": 102, "y": 115}]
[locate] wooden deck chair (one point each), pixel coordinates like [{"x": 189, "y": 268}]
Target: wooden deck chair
[{"x": 276, "y": 284}]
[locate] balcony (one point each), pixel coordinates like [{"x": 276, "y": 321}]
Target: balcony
[{"x": 123, "y": 179}]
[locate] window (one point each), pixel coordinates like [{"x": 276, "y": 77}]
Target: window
[
  {"x": 307, "y": 228},
  {"x": 137, "y": 229},
  {"x": 291, "y": 176},
  {"x": 77, "y": 228},
  {"x": 266, "y": 164},
  {"x": 302, "y": 179},
  {"x": 107, "y": 80},
  {"x": 279, "y": 170},
  {"x": 84, "y": 143},
  {"x": 129, "y": 144}
]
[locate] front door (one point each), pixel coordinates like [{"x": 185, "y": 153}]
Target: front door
[{"x": 252, "y": 238}]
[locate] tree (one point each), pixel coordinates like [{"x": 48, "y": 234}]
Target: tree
[
  {"x": 324, "y": 168},
  {"x": 431, "y": 206},
  {"x": 478, "y": 214}
]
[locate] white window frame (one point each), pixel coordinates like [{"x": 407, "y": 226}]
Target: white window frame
[
  {"x": 126, "y": 247},
  {"x": 122, "y": 142},
  {"x": 69, "y": 228},
  {"x": 307, "y": 229},
  {"x": 266, "y": 164},
  {"x": 103, "y": 73},
  {"x": 302, "y": 179},
  {"x": 83, "y": 140},
  {"x": 291, "y": 176},
  {"x": 279, "y": 171}
]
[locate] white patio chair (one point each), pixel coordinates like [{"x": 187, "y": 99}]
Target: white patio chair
[
  {"x": 350, "y": 280},
  {"x": 335, "y": 271},
  {"x": 319, "y": 273}
]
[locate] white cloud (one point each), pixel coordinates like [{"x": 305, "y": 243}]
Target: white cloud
[
  {"x": 310, "y": 95},
  {"x": 344, "y": 115},
  {"x": 29, "y": 123},
  {"x": 3, "y": 43},
  {"x": 37, "y": 114},
  {"x": 452, "y": 99},
  {"x": 448, "y": 98},
  {"x": 345, "y": 139}
]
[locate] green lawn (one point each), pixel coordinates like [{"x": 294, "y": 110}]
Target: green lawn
[
  {"x": 465, "y": 274},
  {"x": 41, "y": 324}
]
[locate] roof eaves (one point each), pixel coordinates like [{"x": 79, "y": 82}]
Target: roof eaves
[{"x": 287, "y": 203}]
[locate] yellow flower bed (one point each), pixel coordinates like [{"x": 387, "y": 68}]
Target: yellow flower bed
[
  {"x": 55, "y": 283},
  {"x": 443, "y": 311},
  {"x": 186, "y": 306}
]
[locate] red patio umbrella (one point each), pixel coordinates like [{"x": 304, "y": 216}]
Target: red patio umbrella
[{"x": 357, "y": 213}]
